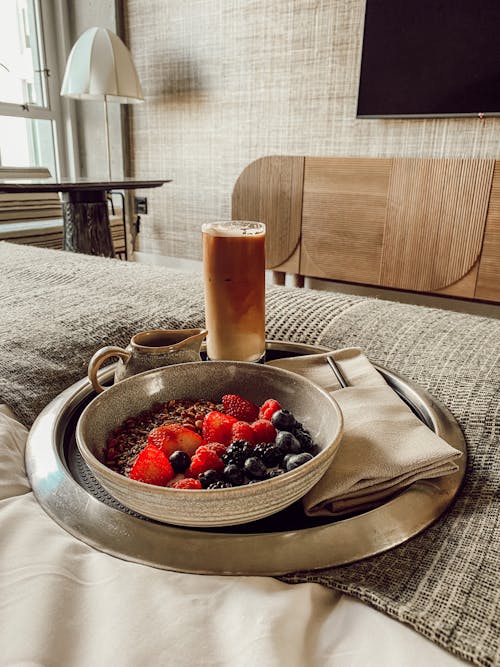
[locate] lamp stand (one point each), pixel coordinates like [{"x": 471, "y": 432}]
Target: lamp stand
[{"x": 106, "y": 125}]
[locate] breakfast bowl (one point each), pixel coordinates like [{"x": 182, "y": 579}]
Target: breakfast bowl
[{"x": 313, "y": 407}]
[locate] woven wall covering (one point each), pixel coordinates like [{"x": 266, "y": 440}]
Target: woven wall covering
[{"x": 229, "y": 81}]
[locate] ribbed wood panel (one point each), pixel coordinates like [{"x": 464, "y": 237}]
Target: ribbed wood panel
[
  {"x": 435, "y": 223},
  {"x": 343, "y": 218},
  {"x": 269, "y": 190},
  {"x": 488, "y": 280}
]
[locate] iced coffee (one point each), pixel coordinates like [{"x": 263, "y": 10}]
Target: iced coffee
[{"x": 234, "y": 272}]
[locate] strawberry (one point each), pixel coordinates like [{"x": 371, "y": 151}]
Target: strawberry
[
  {"x": 268, "y": 408},
  {"x": 172, "y": 437},
  {"x": 240, "y": 408},
  {"x": 242, "y": 431},
  {"x": 152, "y": 467},
  {"x": 204, "y": 459},
  {"x": 187, "y": 483},
  {"x": 264, "y": 431},
  {"x": 217, "y": 427}
]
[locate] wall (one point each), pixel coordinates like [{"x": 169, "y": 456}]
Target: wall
[
  {"x": 227, "y": 81},
  {"x": 89, "y": 115}
]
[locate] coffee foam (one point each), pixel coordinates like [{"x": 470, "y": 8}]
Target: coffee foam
[{"x": 236, "y": 229}]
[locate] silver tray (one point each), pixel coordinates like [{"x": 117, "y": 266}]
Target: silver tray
[{"x": 286, "y": 542}]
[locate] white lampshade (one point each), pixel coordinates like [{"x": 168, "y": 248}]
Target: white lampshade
[{"x": 100, "y": 67}]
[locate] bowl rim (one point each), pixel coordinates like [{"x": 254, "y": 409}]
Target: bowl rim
[{"x": 281, "y": 480}]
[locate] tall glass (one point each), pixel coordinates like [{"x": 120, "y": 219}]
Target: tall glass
[{"x": 234, "y": 272}]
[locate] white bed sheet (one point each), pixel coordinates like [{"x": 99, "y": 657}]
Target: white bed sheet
[{"x": 64, "y": 604}]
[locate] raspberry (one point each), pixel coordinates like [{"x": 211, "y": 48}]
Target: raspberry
[
  {"x": 217, "y": 427},
  {"x": 268, "y": 408},
  {"x": 152, "y": 467},
  {"x": 264, "y": 430},
  {"x": 216, "y": 447},
  {"x": 242, "y": 431},
  {"x": 239, "y": 407},
  {"x": 172, "y": 437},
  {"x": 187, "y": 484},
  {"x": 204, "y": 459}
]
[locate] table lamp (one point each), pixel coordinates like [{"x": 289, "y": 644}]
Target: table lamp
[{"x": 100, "y": 67}]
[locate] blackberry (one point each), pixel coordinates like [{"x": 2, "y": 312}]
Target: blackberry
[
  {"x": 305, "y": 439},
  {"x": 238, "y": 452},
  {"x": 255, "y": 468},
  {"x": 179, "y": 460},
  {"x": 208, "y": 477},
  {"x": 272, "y": 456},
  {"x": 297, "y": 460},
  {"x": 220, "y": 485},
  {"x": 283, "y": 420},
  {"x": 233, "y": 474},
  {"x": 287, "y": 443}
]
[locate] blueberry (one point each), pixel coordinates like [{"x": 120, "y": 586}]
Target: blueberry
[
  {"x": 255, "y": 468},
  {"x": 286, "y": 458},
  {"x": 287, "y": 443},
  {"x": 276, "y": 472},
  {"x": 234, "y": 474},
  {"x": 305, "y": 440},
  {"x": 297, "y": 460},
  {"x": 283, "y": 420},
  {"x": 179, "y": 460},
  {"x": 208, "y": 477}
]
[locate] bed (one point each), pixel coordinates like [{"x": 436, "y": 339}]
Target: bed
[{"x": 432, "y": 600}]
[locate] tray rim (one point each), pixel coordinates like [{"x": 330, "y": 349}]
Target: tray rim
[{"x": 181, "y": 549}]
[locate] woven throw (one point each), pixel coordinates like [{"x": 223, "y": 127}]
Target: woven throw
[{"x": 57, "y": 308}]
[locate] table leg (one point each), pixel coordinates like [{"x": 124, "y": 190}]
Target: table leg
[{"x": 86, "y": 223}]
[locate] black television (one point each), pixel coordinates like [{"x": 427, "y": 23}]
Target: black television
[{"x": 430, "y": 58}]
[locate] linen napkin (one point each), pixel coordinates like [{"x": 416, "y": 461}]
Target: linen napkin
[{"x": 385, "y": 447}]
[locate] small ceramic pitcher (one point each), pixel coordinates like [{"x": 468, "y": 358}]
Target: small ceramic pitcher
[{"x": 147, "y": 350}]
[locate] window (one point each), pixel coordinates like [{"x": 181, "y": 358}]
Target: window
[{"x": 29, "y": 87}]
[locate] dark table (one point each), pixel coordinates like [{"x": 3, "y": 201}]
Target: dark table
[{"x": 84, "y": 206}]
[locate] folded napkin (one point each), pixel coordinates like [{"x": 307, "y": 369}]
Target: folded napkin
[{"x": 385, "y": 447}]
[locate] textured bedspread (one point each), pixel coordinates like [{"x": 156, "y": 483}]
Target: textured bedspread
[{"x": 56, "y": 309}]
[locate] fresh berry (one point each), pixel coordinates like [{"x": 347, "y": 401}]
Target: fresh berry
[
  {"x": 216, "y": 447},
  {"x": 276, "y": 472},
  {"x": 204, "y": 459},
  {"x": 238, "y": 452},
  {"x": 242, "y": 431},
  {"x": 152, "y": 467},
  {"x": 269, "y": 453},
  {"x": 305, "y": 439},
  {"x": 208, "y": 477},
  {"x": 171, "y": 437},
  {"x": 220, "y": 485},
  {"x": 297, "y": 460},
  {"x": 287, "y": 443},
  {"x": 283, "y": 420},
  {"x": 179, "y": 460},
  {"x": 217, "y": 427},
  {"x": 255, "y": 468},
  {"x": 264, "y": 430},
  {"x": 268, "y": 408},
  {"x": 187, "y": 483},
  {"x": 240, "y": 408},
  {"x": 234, "y": 475}
]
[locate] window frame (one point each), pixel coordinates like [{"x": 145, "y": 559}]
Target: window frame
[{"x": 52, "y": 22}]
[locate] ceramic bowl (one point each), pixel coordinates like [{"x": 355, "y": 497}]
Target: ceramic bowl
[{"x": 309, "y": 403}]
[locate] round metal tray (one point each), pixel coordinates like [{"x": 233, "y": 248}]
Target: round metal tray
[{"x": 286, "y": 542}]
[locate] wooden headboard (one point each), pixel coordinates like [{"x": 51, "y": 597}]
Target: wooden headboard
[{"x": 424, "y": 225}]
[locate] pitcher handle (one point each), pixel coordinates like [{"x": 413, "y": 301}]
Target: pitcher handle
[{"x": 99, "y": 358}]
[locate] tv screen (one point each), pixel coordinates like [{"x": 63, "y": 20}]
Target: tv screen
[{"x": 430, "y": 58}]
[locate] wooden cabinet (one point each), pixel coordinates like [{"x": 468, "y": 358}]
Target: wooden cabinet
[{"x": 424, "y": 225}]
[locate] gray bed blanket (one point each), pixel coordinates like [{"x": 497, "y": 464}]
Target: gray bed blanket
[{"x": 57, "y": 308}]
